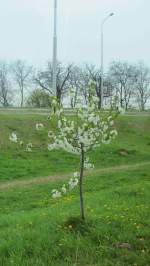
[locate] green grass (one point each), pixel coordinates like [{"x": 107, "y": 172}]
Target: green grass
[
  {"x": 132, "y": 145},
  {"x": 38, "y": 231}
]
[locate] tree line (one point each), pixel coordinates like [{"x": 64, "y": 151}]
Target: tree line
[{"x": 128, "y": 83}]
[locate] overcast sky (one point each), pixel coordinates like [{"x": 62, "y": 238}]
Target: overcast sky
[{"x": 26, "y": 28}]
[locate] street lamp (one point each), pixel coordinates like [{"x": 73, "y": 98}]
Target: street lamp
[
  {"x": 55, "y": 49},
  {"x": 102, "y": 55}
]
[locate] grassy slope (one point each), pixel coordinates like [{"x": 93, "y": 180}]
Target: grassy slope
[
  {"x": 33, "y": 227},
  {"x": 134, "y": 137}
]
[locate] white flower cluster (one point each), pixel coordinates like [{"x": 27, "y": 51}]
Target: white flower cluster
[
  {"x": 29, "y": 147},
  {"x": 73, "y": 182},
  {"x": 13, "y": 137},
  {"x": 65, "y": 145},
  {"x": 88, "y": 130},
  {"x": 39, "y": 126},
  {"x": 87, "y": 164},
  {"x": 56, "y": 194}
]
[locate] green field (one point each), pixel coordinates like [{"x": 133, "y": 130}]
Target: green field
[{"x": 36, "y": 230}]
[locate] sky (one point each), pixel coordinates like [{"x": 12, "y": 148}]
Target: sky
[{"x": 26, "y": 30}]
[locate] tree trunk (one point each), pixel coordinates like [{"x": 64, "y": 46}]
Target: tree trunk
[
  {"x": 22, "y": 96},
  {"x": 126, "y": 106},
  {"x": 99, "y": 103},
  {"x": 142, "y": 105},
  {"x": 81, "y": 183}
]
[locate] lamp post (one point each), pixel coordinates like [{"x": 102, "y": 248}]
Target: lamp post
[
  {"x": 55, "y": 49},
  {"x": 102, "y": 56}
]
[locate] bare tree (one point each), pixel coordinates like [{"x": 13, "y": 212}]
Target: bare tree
[
  {"x": 76, "y": 84},
  {"x": 123, "y": 77},
  {"x": 22, "y": 76},
  {"x": 91, "y": 73},
  {"x": 142, "y": 85},
  {"x": 5, "y": 85},
  {"x": 94, "y": 74},
  {"x": 44, "y": 79}
]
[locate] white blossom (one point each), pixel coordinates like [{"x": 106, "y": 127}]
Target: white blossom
[
  {"x": 59, "y": 124},
  {"x": 105, "y": 127},
  {"x": 63, "y": 189},
  {"x": 13, "y": 137},
  {"x": 39, "y": 126},
  {"x": 29, "y": 147},
  {"x": 109, "y": 118},
  {"x": 89, "y": 130},
  {"x": 106, "y": 141},
  {"x": 76, "y": 174},
  {"x": 51, "y": 134},
  {"x": 113, "y": 133},
  {"x": 111, "y": 123},
  {"x": 56, "y": 194},
  {"x": 21, "y": 143},
  {"x": 88, "y": 166},
  {"x": 73, "y": 182}
]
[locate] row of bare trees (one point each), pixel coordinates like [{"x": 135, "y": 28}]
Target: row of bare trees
[{"x": 129, "y": 83}]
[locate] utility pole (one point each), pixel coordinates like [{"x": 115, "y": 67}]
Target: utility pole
[
  {"x": 55, "y": 49},
  {"x": 102, "y": 56}
]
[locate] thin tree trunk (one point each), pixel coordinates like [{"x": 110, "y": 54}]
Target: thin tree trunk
[
  {"x": 22, "y": 94},
  {"x": 126, "y": 106},
  {"x": 142, "y": 104},
  {"x": 81, "y": 183},
  {"x": 99, "y": 104}
]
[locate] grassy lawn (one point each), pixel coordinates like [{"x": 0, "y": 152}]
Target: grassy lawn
[{"x": 38, "y": 231}]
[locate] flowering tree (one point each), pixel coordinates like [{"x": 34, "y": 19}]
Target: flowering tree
[{"x": 88, "y": 130}]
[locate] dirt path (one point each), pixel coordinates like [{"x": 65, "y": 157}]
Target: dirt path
[{"x": 39, "y": 180}]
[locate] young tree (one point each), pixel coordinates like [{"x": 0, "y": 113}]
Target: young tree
[
  {"x": 22, "y": 75},
  {"x": 88, "y": 131}
]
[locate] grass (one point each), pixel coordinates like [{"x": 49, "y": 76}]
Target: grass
[
  {"x": 132, "y": 145},
  {"x": 38, "y": 231}
]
